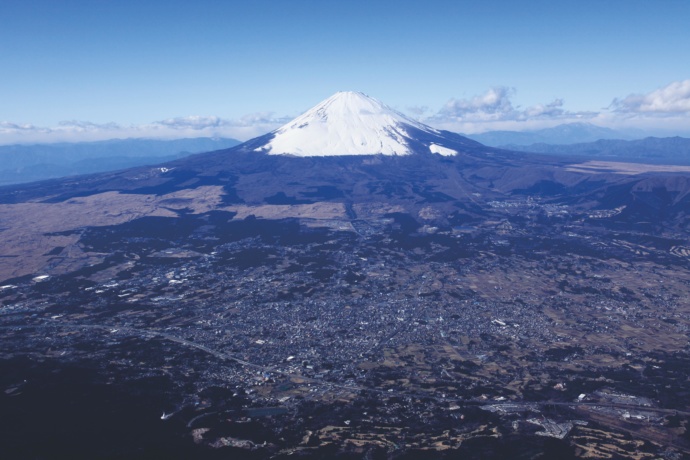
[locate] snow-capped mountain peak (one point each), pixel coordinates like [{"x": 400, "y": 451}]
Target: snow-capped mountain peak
[{"x": 352, "y": 123}]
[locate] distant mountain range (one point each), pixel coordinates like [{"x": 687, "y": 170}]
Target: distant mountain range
[
  {"x": 569, "y": 133},
  {"x": 675, "y": 150},
  {"x": 383, "y": 133},
  {"x": 26, "y": 163}
]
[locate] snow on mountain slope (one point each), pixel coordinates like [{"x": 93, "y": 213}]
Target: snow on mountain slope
[
  {"x": 441, "y": 150},
  {"x": 349, "y": 123}
]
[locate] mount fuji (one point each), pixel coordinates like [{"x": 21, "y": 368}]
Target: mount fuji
[
  {"x": 352, "y": 123},
  {"x": 349, "y": 158}
]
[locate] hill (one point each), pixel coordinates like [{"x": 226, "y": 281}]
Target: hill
[{"x": 669, "y": 150}]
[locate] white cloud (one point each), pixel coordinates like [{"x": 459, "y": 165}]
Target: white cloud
[
  {"x": 494, "y": 110},
  {"x": 552, "y": 109},
  {"x": 246, "y": 127},
  {"x": 673, "y": 98},
  {"x": 261, "y": 118},
  {"x": 665, "y": 111},
  {"x": 192, "y": 122},
  {"x": 492, "y": 105},
  {"x": 86, "y": 125},
  {"x": 6, "y": 126}
]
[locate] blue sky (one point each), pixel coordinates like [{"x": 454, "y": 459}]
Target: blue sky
[{"x": 84, "y": 70}]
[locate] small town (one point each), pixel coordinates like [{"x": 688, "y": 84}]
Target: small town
[{"x": 312, "y": 316}]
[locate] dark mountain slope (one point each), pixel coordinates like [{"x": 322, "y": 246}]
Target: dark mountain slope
[{"x": 670, "y": 150}]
